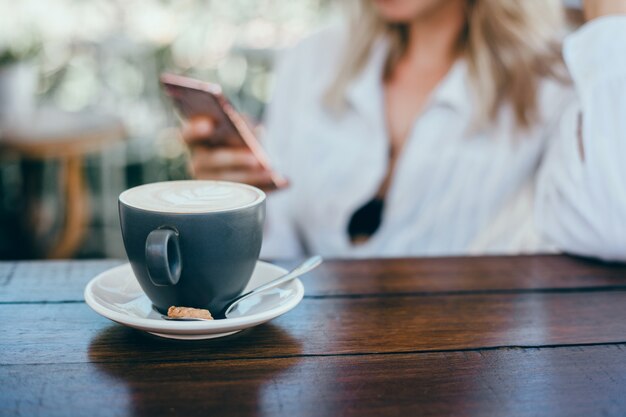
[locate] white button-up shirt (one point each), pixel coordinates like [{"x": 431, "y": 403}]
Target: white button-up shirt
[{"x": 455, "y": 190}]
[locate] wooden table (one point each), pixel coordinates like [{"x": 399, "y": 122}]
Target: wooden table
[{"x": 502, "y": 336}]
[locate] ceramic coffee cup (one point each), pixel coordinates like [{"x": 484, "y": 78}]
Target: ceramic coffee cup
[{"x": 192, "y": 243}]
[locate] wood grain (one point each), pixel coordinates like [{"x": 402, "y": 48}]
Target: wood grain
[
  {"x": 65, "y": 280},
  {"x": 510, "y": 336},
  {"x": 573, "y": 381},
  {"x": 56, "y": 333},
  {"x": 462, "y": 274},
  {"x": 48, "y": 281}
]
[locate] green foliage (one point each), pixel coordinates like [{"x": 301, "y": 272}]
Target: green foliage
[{"x": 11, "y": 56}]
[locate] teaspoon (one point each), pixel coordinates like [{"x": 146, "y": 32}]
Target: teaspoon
[{"x": 301, "y": 269}]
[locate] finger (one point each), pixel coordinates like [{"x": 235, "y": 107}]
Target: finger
[
  {"x": 217, "y": 159},
  {"x": 197, "y": 129},
  {"x": 258, "y": 178}
]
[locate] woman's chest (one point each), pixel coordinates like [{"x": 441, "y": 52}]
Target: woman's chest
[{"x": 442, "y": 171}]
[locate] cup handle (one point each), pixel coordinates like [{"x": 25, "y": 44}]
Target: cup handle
[{"x": 163, "y": 257}]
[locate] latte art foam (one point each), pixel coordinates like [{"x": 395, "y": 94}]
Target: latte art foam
[{"x": 191, "y": 196}]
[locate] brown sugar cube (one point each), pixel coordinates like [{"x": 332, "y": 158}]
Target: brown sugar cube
[{"x": 182, "y": 312}]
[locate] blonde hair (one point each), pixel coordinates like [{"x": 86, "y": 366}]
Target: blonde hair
[{"x": 509, "y": 45}]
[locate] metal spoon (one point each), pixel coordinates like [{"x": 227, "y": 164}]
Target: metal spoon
[{"x": 301, "y": 269}]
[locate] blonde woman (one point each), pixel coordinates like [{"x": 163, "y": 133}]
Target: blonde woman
[{"x": 440, "y": 127}]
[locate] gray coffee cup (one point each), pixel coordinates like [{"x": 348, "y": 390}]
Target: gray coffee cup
[{"x": 192, "y": 251}]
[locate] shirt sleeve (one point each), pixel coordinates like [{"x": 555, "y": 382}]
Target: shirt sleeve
[
  {"x": 581, "y": 189},
  {"x": 280, "y": 239}
]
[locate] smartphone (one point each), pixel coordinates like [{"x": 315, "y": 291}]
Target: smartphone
[
  {"x": 199, "y": 98},
  {"x": 573, "y": 4}
]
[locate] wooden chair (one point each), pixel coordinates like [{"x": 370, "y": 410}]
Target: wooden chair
[{"x": 67, "y": 138}]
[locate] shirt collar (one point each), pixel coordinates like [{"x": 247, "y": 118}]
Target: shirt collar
[
  {"x": 365, "y": 92},
  {"x": 454, "y": 90}
]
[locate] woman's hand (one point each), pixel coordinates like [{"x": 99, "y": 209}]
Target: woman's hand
[
  {"x": 598, "y": 8},
  {"x": 227, "y": 163}
]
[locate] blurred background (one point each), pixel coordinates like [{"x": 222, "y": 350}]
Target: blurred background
[{"x": 82, "y": 116}]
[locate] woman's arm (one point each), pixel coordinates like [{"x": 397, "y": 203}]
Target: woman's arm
[
  {"x": 581, "y": 194},
  {"x": 598, "y": 8}
]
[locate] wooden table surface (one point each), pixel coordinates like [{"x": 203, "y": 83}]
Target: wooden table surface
[{"x": 502, "y": 336}]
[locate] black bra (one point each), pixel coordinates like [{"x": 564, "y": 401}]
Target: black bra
[{"x": 366, "y": 220}]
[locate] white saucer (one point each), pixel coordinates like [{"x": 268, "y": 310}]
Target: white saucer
[{"x": 116, "y": 295}]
